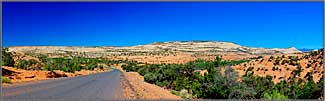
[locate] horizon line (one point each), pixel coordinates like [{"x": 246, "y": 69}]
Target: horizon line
[{"x": 6, "y": 46}]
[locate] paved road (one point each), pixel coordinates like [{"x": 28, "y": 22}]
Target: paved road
[{"x": 96, "y": 87}]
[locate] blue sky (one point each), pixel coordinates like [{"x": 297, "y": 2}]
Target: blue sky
[{"x": 255, "y": 24}]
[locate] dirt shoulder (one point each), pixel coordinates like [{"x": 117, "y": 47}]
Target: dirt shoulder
[
  {"x": 17, "y": 76},
  {"x": 134, "y": 87}
]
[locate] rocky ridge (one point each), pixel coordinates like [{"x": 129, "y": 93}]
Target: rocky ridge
[{"x": 158, "y": 48}]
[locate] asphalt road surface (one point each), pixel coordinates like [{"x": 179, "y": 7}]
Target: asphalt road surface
[{"x": 95, "y": 87}]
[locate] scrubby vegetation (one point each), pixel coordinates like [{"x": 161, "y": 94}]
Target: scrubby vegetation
[
  {"x": 77, "y": 63},
  {"x": 274, "y": 95},
  {"x": 65, "y": 64},
  {"x": 7, "y": 59},
  {"x": 26, "y": 64},
  {"x": 187, "y": 81},
  {"x": 5, "y": 79}
]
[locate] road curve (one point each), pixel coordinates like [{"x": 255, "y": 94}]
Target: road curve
[{"x": 95, "y": 87}]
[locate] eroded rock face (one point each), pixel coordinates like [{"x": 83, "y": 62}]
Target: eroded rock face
[
  {"x": 27, "y": 76},
  {"x": 8, "y": 72},
  {"x": 20, "y": 75},
  {"x": 160, "y": 48},
  {"x": 57, "y": 74}
]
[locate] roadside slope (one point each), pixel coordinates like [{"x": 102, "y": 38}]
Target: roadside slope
[{"x": 134, "y": 87}]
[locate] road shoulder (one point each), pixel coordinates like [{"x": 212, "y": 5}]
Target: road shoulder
[{"x": 134, "y": 87}]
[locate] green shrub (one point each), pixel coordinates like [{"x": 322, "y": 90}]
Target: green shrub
[
  {"x": 298, "y": 70},
  {"x": 259, "y": 57},
  {"x": 5, "y": 79},
  {"x": 274, "y": 95},
  {"x": 277, "y": 61},
  {"x": 271, "y": 58},
  {"x": 27, "y": 64},
  {"x": 43, "y": 58},
  {"x": 78, "y": 63},
  {"x": 313, "y": 53},
  {"x": 185, "y": 94},
  {"x": 273, "y": 68},
  {"x": 175, "y": 92},
  {"x": 150, "y": 77},
  {"x": 22, "y": 64},
  {"x": 161, "y": 84},
  {"x": 7, "y": 58}
]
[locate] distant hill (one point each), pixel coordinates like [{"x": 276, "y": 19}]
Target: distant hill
[{"x": 159, "y": 48}]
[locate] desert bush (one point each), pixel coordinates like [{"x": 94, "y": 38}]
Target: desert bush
[
  {"x": 175, "y": 92},
  {"x": 91, "y": 66},
  {"x": 311, "y": 90},
  {"x": 321, "y": 63},
  {"x": 298, "y": 70},
  {"x": 250, "y": 68},
  {"x": 277, "y": 61},
  {"x": 271, "y": 58},
  {"x": 313, "y": 53},
  {"x": 185, "y": 94},
  {"x": 43, "y": 57},
  {"x": 22, "y": 64},
  {"x": 26, "y": 64},
  {"x": 79, "y": 63},
  {"x": 150, "y": 77},
  {"x": 7, "y": 58},
  {"x": 284, "y": 61},
  {"x": 5, "y": 79},
  {"x": 259, "y": 57},
  {"x": 273, "y": 68},
  {"x": 308, "y": 65},
  {"x": 274, "y": 95}
]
